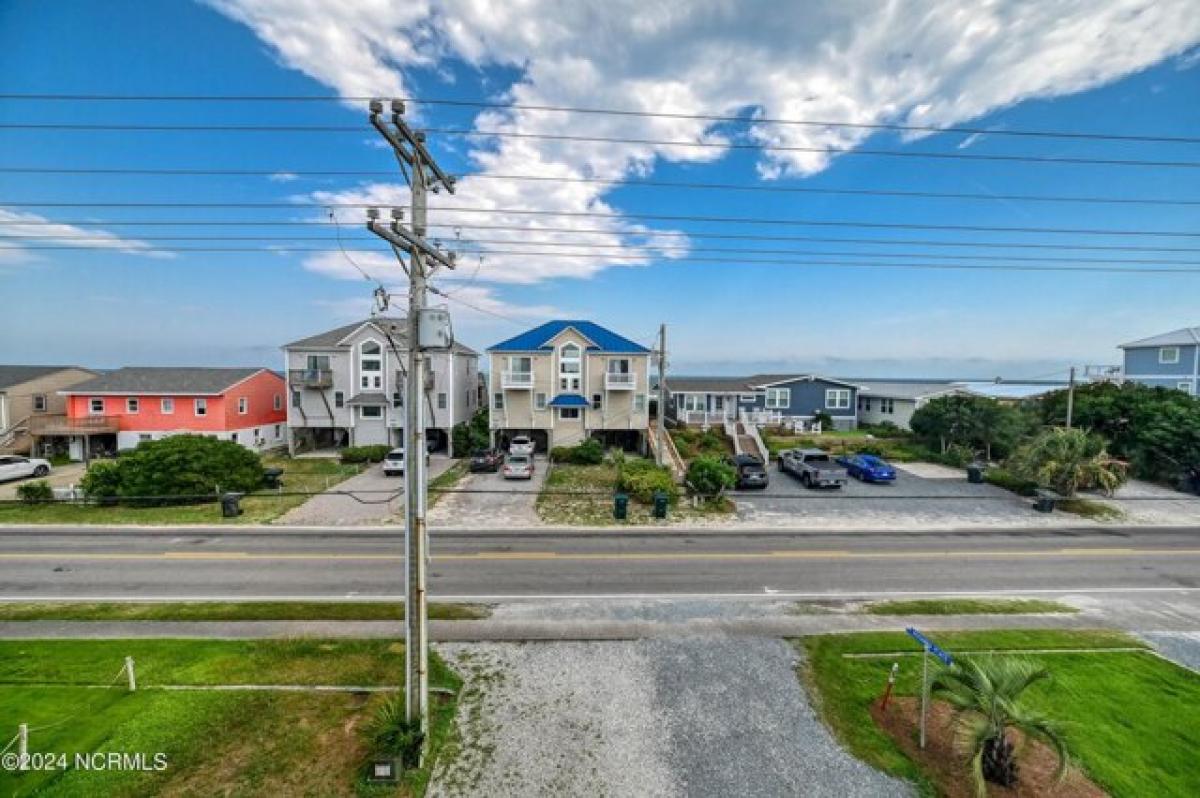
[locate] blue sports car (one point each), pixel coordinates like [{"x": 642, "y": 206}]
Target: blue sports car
[{"x": 868, "y": 468}]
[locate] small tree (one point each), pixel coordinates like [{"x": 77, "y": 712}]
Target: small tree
[
  {"x": 1067, "y": 460},
  {"x": 188, "y": 465},
  {"x": 473, "y": 435},
  {"x": 708, "y": 476},
  {"x": 987, "y": 695}
]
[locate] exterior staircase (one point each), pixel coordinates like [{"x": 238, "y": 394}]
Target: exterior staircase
[
  {"x": 670, "y": 456},
  {"x": 16, "y": 439},
  {"x": 746, "y": 440}
]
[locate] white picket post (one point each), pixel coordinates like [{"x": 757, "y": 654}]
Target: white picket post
[
  {"x": 23, "y": 747},
  {"x": 129, "y": 673}
]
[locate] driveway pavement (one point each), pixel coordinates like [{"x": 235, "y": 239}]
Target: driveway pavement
[
  {"x": 499, "y": 503},
  {"x": 923, "y": 495},
  {"x": 60, "y": 477},
  {"x": 687, "y": 716},
  {"x": 380, "y": 501}
]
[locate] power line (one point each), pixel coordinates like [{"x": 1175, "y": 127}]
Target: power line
[
  {"x": 241, "y": 223},
  {"x": 647, "y": 249},
  {"x": 748, "y": 120},
  {"x": 616, "y": 216},
  {"x": 638, "y": 258},
  {"x": 466, "y": 133},
  {"x": 668, "y": 184}
]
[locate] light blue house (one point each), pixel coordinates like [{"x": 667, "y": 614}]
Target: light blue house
[
  {"x": 1170, "y": 360},
  {"x": 762, "y": 399}
]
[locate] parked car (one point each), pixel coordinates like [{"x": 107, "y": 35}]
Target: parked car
[
  {"x": 521, "y": 444},
  {"x": 13, "y": 466},
  {"x": 868, "y": 468},
  {"x": 813, "y": 467},
  {"x": 393, "y": 464},
  {"x": 750, "y": 471},
  {"x": 517, "y": 466},
  {"x": 486, "y": 460}
]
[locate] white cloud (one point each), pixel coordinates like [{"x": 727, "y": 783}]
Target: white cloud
[
  {"x": 16, "y": 223},
  {"x": 283, "y": 177},
  {"x": 938, "y": 63},
  {"x": 472, "y": 305}
]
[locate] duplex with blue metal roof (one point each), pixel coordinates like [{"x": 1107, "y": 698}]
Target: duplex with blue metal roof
[{"x": 568, "y": 380}]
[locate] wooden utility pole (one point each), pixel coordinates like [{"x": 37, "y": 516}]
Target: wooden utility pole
[
  {"x": 409, "y": 148},
  {"x": 1070, "y": 398},
  {"x": 661, "y": 449}
]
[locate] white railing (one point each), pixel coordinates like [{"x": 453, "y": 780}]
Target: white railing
[
  {"x": 616, "y": 381},
  {"x": 516, "y": 379},
  {"x": 703, "y": 417},
  {"x": 761, "y": 416}
]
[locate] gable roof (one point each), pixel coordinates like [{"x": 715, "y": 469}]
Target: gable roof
[
  {"x": 537, "y": 339},
  {"x": 1181, "y": 337},
  {"x": 396, "y": 326},
  {"x": 767, "y": 380},
  {"x": 902, "y": 389},
  {"x": 197, "y": 380},
  {"x": 15, "y": 375},
  {"x": 751, "y": 384}
]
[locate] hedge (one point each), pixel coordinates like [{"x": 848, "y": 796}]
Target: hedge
[
  {"x": 365, "y": 454},
  {"x": 641, "y": 479}
]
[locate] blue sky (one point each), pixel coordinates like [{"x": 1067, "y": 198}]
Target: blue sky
[{"x": 127, "y": 303}]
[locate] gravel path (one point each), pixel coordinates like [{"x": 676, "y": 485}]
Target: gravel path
[{"x": 692, "y": 716}]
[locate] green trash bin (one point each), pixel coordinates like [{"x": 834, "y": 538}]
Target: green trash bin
[
  {"x": 975, "y": 474},
  {"x": 231, "y": 505},
  {"x": 660, "y": 504},
  {"x": 620, "y": 506}
]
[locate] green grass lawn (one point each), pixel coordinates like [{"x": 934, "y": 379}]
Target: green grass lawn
[
  {"x": 966, "y": 606},
  {"x": 232, "y": 611},
  {"x": 447, "y": 479},
  {"x": 591, "y": 509},
  {"x": 299, "y": 475},
  {"x": 231, "y": 743},
  {"x": 1127, "y": 716}
]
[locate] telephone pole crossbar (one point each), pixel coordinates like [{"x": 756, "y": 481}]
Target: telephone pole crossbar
[{"x": 408, "y": 145}]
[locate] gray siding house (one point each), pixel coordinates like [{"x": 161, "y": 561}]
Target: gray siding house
[
  {"x": 1170, "y": 360},
  {"x": 790, "y": 399},
  {"x": 30, "y": 394},
  {"x": 897, "y": 400},
  {"x": 346, "y": 387}
]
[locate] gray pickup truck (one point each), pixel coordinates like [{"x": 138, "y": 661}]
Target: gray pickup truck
[{"x": 813, "y": 467}]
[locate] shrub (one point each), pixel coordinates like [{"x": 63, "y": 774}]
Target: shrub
[
  {"x": 708, "y": 476},
  {"x": 365, "y": 454},
  {"x": 391, "y": 735},
  {"x": 187, "y": 465},
  {"x": 1003, "y": 478},
  {"x": 590, "y": 452},
  {"x": 885, "y": 429},
  {"x": 824, "y": 419},
  {"x": 641, "y": 479},
  {"x": 102, "y": 481},
  {"x": 1068, "y": 460},
  {"x": 473, "y": 435},
  {"x": 34, "y": 492}
]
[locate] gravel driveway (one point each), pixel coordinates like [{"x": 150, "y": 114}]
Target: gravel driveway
[
  {"x": 332, "y": 509},
  {"x": 933, "y": 501},
  {"x": 695, "y": 716},
  {"x": 501, "y": 502}
]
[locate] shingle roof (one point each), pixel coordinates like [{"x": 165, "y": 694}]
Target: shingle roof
[
  {"x": 604, "y": 339},
  {"x": 396, "y": 327},
  {"x": 15, "y": 375},
  {"x": 1181, "y": 337},
  {"x": 188, "y": 380},
  {"x": 708, "y": 384},
  {"x": 888, "y": 389}
]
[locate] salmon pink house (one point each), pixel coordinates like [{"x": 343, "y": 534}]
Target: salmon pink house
[{"x": 122, "y": 408}]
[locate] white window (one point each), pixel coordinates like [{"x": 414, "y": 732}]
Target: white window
[
  {"x": 200, "y": 407},
  {"x": 233, "y": 437},
  {"x": 167, "y": 405},
  {"x": 397, "y": 399},
  {"x": 96, "y": 406},
  {"x": 718, "y": 403},
  {"x": 746, "y": 398},
  {"x": 1184, "y": 386},
  {"x": 570, "y": 365},
  {"x": 618, "y": 365},
  {"x": 887, "y": 406},
  {"x": 39, "y": 403},
  {"x": 276, "y": 431},
  {"x": 498, "y": 401},
  {"x": 568, "y": 413},
  {"x": 296, "y": 399},
  {"x": 1168, "y": 355},
  {"x": 142, "y": 436},
  {"x": 597, "y": 401},
  {"x": 692, "y": 402},
  {"x": 539, "y": 401},
  {"x": 370, "y": 411},
  {"x": 339, "y": 399},
  {"x": 243, "y": 405},
  {"x": 370, "y": 364},
  {"x": 132, "y": 404},
  {"x": 639, "y": 403},
  {"x": 778, "y": 398},
  {"x": 441, "y": 401},
  {"x": 278, "y": 403},
  {"x": 837, "y": 399},
  {"x": 520, "y": 365}
]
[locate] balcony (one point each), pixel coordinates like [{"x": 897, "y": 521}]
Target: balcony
[
  {"x": 310, "y": 378},
  {"x": 519, "y": 380},
  {"x": 54, "y": 425},
  {"x": 616, "y": 381}
]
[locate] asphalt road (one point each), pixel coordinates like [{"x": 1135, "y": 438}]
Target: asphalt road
[{"x": 223, "y": 562}]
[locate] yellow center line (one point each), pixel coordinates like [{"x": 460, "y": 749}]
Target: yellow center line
[{"x": 792, "y": 554}]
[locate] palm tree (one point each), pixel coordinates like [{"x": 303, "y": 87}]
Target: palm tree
[
  {"x": 986, "y": 694},
  {"x": 1067, "y": 460}
]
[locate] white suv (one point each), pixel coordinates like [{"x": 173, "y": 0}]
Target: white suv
[
  {"x": 13, "y": 466},
  {"x": 521, "y": 444}
]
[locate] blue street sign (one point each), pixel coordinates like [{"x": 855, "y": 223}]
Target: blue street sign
[{"x": 930, "y": 646}]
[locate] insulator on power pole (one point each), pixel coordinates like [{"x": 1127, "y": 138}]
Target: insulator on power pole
[
  {"x": 376, "y": 106},
  {"x": 373, "y": 214},
  {"x": 398, "y": 214},
  {"x": 397, "y": 106}
]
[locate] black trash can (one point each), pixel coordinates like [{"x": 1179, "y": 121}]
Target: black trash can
[
  {"x": 660, "y": 504},
  {"x": 975, "y": 474},
  {"x": 620, "y": 506},
  {"x": 272, "y": 477},
  {"x": 231, "y": 505}
]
